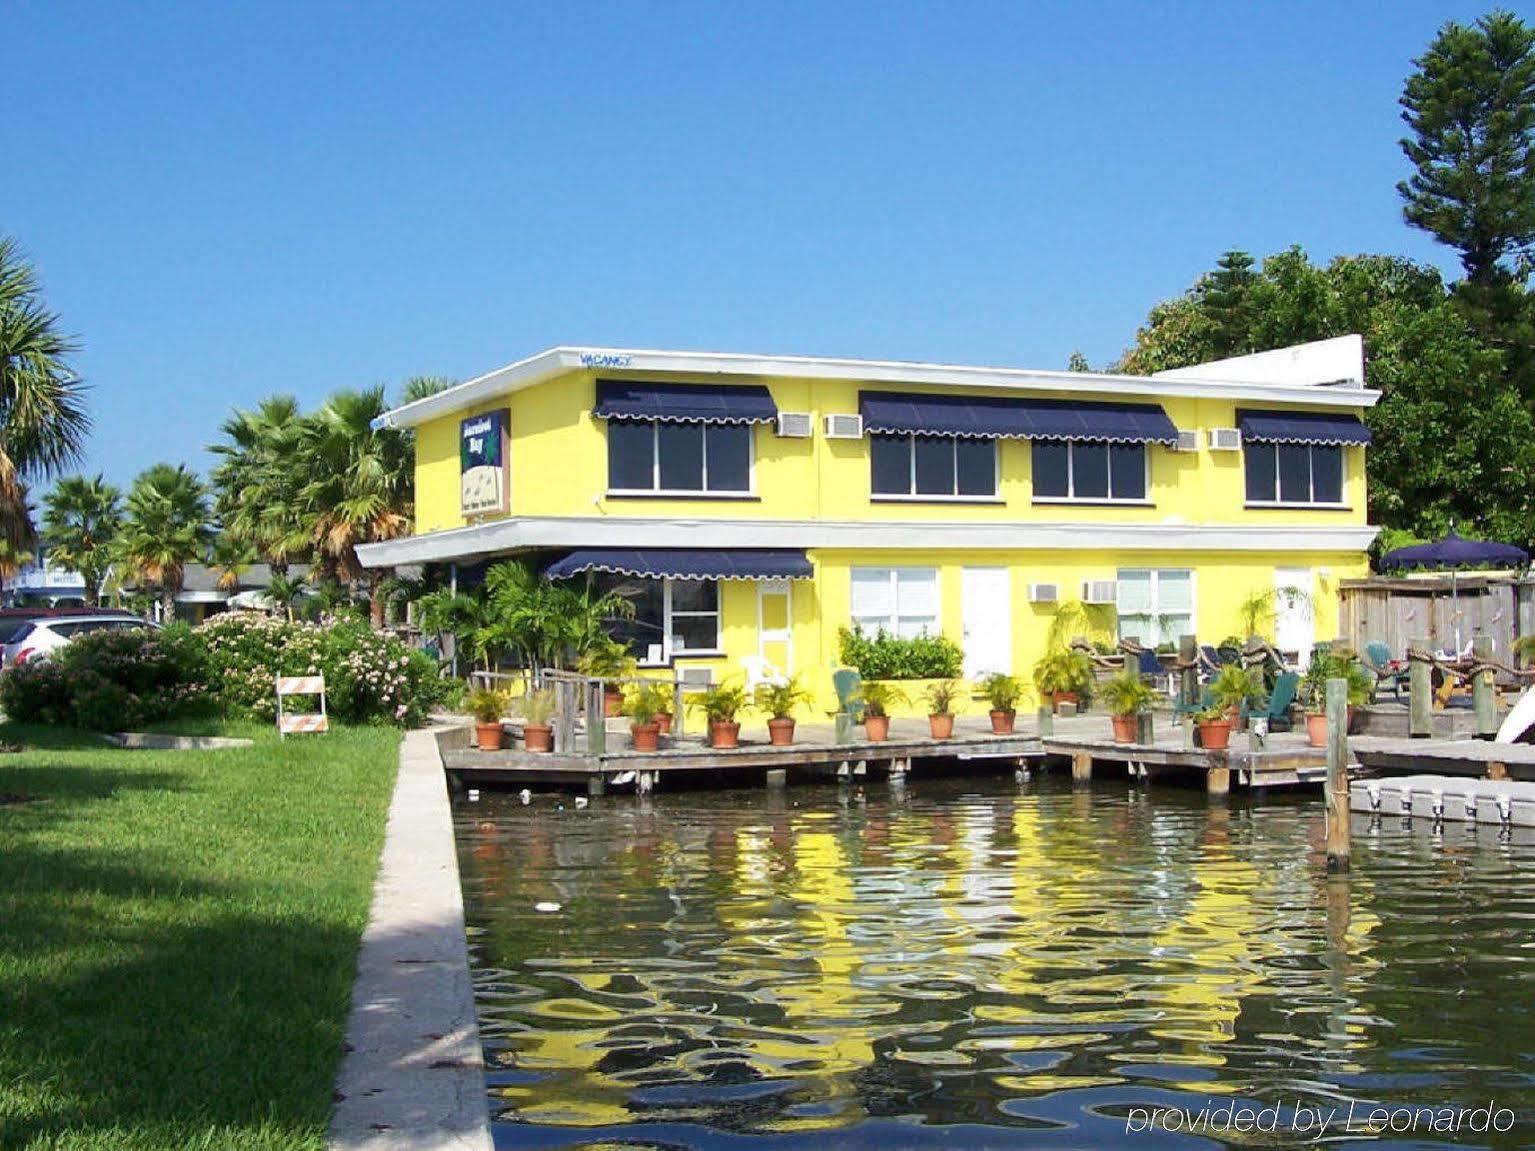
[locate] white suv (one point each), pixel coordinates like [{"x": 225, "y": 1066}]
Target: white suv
[{"x": 40, "y": 638}]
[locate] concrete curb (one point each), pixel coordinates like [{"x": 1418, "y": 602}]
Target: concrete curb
[{"x": 414, "y": 1076}]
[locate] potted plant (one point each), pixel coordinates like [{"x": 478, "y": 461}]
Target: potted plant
[
  {"x": 1064, "y": 675},
  {"x": 608, "y": 660},
  {"x": 940, "y": 708},
  {"x": 1232, "y": 686},
  {"x": 878, "y": 697},
  {"x": 778, "y": 701},
  {"x": 1332, "y": 663},
  {"x": 642, "y": 703},
  {"x": 1127, "y": 695},
  {"x": 1002, "y": 692},
  {"x": 664, "y": 715},
  {"x": 487, "y": 705},
  {"x": 537, "y": 710},
  {"x": 1214, "y": 728},
  {"x": 721, "y": 703}
]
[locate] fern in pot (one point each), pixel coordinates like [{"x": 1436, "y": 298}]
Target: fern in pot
[
  {"x": 537, "y": 710},
  {"x": 487, "y": 705},
  {"x": 1002, "y": 693},
  {"x": 940, "y": 708},
  {"x": 722, "y": 704},
  {"x": 878, "y": 698},
  {"x": 642, "y": 704},
  {"x": 778, "y": 701},
  {"x": 1127, "y": 696}
]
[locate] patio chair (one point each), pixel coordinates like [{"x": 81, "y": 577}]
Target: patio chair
[
  {"x": 848, "y": 685},
  {"x": 1182, "y": 709},
  {"x": 759, "y": 671},
  {"x": 1151, "y": 668},
  {"x": 1281, "y": 699},
  {"x": 1377, "y": 658}
]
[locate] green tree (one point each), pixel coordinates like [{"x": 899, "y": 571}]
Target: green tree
[
  {"x": 419, "y": 387},
  {"x": 259, "y": 482},
  {"x": 81, "y": 520},
  {"x": 1470, "y": 105},
  {"x": 166, "y": 527},
  {"x": 358, "y": 486},
  {"x": 43, "y": 423},
  {"x": 1452, "y": 439}
]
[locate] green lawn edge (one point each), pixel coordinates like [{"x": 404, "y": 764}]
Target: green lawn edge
[{"x": 179, "y": 935}]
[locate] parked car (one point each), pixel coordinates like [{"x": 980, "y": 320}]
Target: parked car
[{"x": 40, "y": 638}]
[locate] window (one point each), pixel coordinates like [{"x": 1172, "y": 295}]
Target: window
[
  {"x": 1089, "y": 470},
  {"x": 1294, "y": 473},
  {"x": 944, "y": 467},
  {"x": 671, "y": 617},
  {"x": 1156, "y": 606},
  {"x": 664, "y": 457},
  {"x": 901, "y": 601}
]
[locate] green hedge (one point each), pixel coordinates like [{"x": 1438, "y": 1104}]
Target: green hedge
[
  {"x": 123, "y": 680},
  {"x": 885, "y": 656}
]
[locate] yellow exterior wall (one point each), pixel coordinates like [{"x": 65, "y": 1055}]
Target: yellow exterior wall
[{"x": 558, "y": 467}]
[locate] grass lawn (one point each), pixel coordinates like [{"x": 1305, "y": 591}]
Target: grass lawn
[{"x": 178, "y": 934}]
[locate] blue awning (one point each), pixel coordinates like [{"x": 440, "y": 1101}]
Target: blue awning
[
  {"x": 696, "y": 403},
  {"x": 995, "y": 417},
  {"x": 1301, "y": 428},
  {"x": 685, "y": 563}
]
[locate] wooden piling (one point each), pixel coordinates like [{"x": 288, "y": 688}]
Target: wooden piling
[
  {"x": 1218, "y": 780},
  {"x": 596, "y": 719},
  {"x": 777, "y": 777},
  {"x": 1497, "y": 770},
  {"x": 1484, "y": 692},
  {"x": 1420, "y": 691},
  {"x": 1081, "y": 767},
  {"x": 1338, "y": 848},
  {"x": 1188, "y": 678},
  {"x": 564, "y": 716}
]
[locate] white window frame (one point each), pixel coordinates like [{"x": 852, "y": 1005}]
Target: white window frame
[
  {"x": 669, "y": 614},
  {"x": 1071, "y": 479},
  {"x": 1154, "y": 614},
  {"x": 912, "y": 496},
  {"x": 1276, "y": 502},
  {"x": 702, "y": 493},
  {"x": 892, "y": 622}
]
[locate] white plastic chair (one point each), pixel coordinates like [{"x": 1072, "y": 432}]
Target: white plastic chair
[{"x": 759, "y": 671}]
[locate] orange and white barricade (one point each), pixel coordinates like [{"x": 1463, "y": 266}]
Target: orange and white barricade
[{"x": 301, "y": 721}]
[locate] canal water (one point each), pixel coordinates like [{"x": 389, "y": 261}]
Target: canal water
[{"x": 986, "y": 964}]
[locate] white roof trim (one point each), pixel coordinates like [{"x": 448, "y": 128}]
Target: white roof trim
[
  {"x": 620, "y": 361},
  {"x": 500, "y": 536}
]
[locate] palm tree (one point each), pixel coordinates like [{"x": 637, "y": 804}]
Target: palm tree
[
  {"x": 81, "y": 520},
  {"x": 282, "y": 591},
  {"x": 259, "y": 482},
  {"x": 359, "y": 486},
  {"x": 43, "y": 424},
  {"x": 419, "y": 387},
  {"x": 229, "y": 556},
  {"x": 166, "y": 528}
]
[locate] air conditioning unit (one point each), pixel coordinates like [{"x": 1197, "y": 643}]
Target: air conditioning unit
[
  {"x": 1099, "y": 591},
  {"x": 844, "y": 426},
  {"x": 696, "y": 676},
  {"x": 795, "y": 425},
  {"x": 1188, "y": 441},
  {"x": 1044, "y": 592},
  {"x": 1225, "y": 439}
]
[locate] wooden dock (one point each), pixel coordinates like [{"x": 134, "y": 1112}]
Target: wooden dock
[
  {"x": 1285, "y": 760},
  {"x": 1475, "y": 758}
]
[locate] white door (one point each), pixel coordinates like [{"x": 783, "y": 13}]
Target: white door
[
  {"x": 1294, "y": 615},
  {"x": 775, "y": 617},
  {"x": 986, "y": 603}
]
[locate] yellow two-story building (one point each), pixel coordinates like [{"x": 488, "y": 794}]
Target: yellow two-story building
[{"x": 754, "y": 505}]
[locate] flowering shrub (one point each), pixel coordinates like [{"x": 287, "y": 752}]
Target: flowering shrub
[
  {"x": 369, "y": 677},
  {"x": 111, "y": 681}
]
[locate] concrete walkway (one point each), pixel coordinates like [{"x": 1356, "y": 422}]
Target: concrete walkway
[{"x": 413, "y": 1076}]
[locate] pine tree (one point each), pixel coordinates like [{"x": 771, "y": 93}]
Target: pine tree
[{"x": 1471, "y": 108}]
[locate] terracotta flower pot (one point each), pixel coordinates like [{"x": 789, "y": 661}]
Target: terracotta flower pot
[
  {"x": 1215, "y": 734},
  {"x": 724, "y": 734},
  {"x": 1126, "y": 728},
  {"x": 941, "y": 726},
  {"x": 538, "y": 737},
  {"x": 877, "y": 727},
  {"x": 781, "y": 731},
  {"x": 1002, "y": 722},
  {"x": 488, "y": 736},
  {"x": 612, "y": 703},
  {"x": 665, "y": 722},
  {"x": 644, "y": 736},
  {"x": 1316, "y": 728}
]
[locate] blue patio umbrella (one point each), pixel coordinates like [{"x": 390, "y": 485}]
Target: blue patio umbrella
[{"x": 1453, "y": 553}]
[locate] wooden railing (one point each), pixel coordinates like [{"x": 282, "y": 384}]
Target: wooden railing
[{"x": 576, "y": 694}]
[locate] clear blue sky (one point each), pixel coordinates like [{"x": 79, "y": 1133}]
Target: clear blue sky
[{"x": 227, "y": 200}]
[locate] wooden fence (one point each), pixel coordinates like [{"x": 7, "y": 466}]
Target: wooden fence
[{"x": 1395, "y": 611}]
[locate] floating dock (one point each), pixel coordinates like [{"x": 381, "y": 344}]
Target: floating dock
[
  {"x": 1462, "y": 757},
  {"x": 1437, "y": 798}
]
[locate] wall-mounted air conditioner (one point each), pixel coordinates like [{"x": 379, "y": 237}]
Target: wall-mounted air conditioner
[
  {"x": 1099, "y": 591},
  {"x": 1044, "y": 592},
  {"x": 1188, "y": 441},
  {"x": 1225, "y": 439},
  {"x": 795, "y": 425},
  {"x": 844, "y": 426},
  {"x": 696, "y": 676}
]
